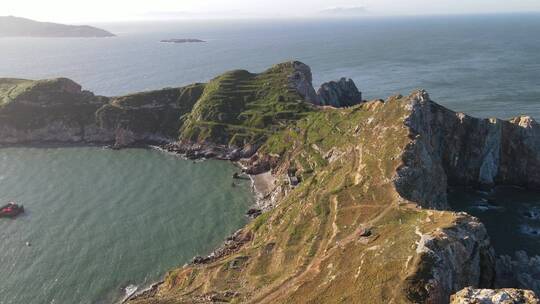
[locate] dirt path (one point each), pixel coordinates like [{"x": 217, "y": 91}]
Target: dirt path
[{"x": 325, "y": 251}]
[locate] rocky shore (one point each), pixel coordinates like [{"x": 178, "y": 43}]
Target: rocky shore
[{"x": 327, "y": 167}]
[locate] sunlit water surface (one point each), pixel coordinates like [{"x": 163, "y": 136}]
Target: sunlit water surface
[{"x": 100, "y": 220}]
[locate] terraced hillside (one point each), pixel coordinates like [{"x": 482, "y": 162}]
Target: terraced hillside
[
  {"x": 239, "y": 107},
  {"x": 235, "y": 109}
]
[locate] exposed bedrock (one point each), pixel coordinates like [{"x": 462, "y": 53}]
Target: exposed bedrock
[
  {"x": 456, "y": 149},
  {"x": 341, "y": 93},
  {"x": 489, "y": 296},
  {"x": 301, "y": 80},
  {"x": 148, "y": 117},
  {"x": 55, "y": 110},
  {"x": 520, "y": 271},
  {"x": 450, "y": 259},
  {"x": 338, "y": 94}
]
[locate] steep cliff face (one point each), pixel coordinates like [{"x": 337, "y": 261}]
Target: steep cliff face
[
  {"x": 300, "y": 80},
  {"x": 345, "y": 234},
  {"x": 456, "y": 149},
  {"x": 54, "y": 110},
  {"x": 154, "y": 116},
  {"x": 342, "y": 93}
]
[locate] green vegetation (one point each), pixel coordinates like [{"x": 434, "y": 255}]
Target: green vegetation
[
  {"x": 154, "y": 112},
  {"x": 308, "y": 249},
  {"x": 238, "y": 107},
  {"x": 27, "y": 104},
  {"x": 11, "y": 88},
  {"x": 312, "y": 247}
]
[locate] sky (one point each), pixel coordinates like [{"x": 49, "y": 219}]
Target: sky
[{"x": 77, "y": 11}]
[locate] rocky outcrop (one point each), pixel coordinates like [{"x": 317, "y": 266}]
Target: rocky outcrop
[
  {"x": 55, "y": 110},
  {"x": 301, "y": 80},
  {"x": 342, "y": 93},
  {"x": 456, "y": 149},
  {"x": 489, "y": 296},
  {"x": 450, "y": 259},
  {"x": 148, "y": 117},
  {"x": 520, "y": 271}
]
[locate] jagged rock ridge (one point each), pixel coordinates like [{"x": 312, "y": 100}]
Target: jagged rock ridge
[{"x": 342, "y": 93}]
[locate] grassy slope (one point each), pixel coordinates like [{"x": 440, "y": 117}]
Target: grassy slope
[
  {"x": 152, "y": 112},
  {"x": 28, "y": 104},
  {"x": 10, "y": 88},
  {"x": 307, "y": 250},
  {"x": 239, "y": 107},
  {"x": 236, "y": 108}
]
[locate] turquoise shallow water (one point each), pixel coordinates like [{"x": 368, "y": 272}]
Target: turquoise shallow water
[{"x": 99, "y": 220}]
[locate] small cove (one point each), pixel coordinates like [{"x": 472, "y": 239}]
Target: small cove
[
  {"x": 511, "y": 216},
  {"x": 100, "y": 220}
]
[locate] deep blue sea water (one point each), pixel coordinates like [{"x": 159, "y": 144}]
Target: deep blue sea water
[{"x": 483, "y": 65}]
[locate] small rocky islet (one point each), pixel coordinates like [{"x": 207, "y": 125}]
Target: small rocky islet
[
  {"x": 182, "y": 40},
  {"x": 382, "y": 167}
]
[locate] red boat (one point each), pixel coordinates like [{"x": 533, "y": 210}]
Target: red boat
[{"x": 11, "y": 210}]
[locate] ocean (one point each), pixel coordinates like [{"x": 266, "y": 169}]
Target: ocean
[
  {"x": 99, "y": 221},
  {"x": 483, "y": 65}
]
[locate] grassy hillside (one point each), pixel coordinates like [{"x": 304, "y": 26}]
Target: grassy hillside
[
  {"x": 28, "y": 104},
  {"x": 154, "y": 112},
  {"x": 310, "y": 249},
  {"x": 239, "y": 107}
]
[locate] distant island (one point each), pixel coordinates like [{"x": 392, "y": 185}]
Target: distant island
[
  {"x": 189, "y": 40},
  {"x": 21, "y": 27}
]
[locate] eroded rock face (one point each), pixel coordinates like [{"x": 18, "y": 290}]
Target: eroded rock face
[
  {"x": 301, "y": 81},
  {"x": 148, "y": 117},
  {"x": 450, "y": 259},
  {"x": 456, "y": 149},
  {"x": 490, "y": 296},
  {"x": 520, "y": 271},
  {"x": 341, "y": 93},
  {"x": 55, "y": 110}
]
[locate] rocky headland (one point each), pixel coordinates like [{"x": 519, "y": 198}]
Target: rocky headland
[
  {"x": 11, "y": 26},
  {"x": 355, "y": 208}
]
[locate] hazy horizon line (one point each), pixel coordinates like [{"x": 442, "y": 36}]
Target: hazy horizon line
[{"x": 268, "y": 18}]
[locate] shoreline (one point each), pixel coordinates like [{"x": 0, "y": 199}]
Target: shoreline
[{"x": 262, "y": 186}]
